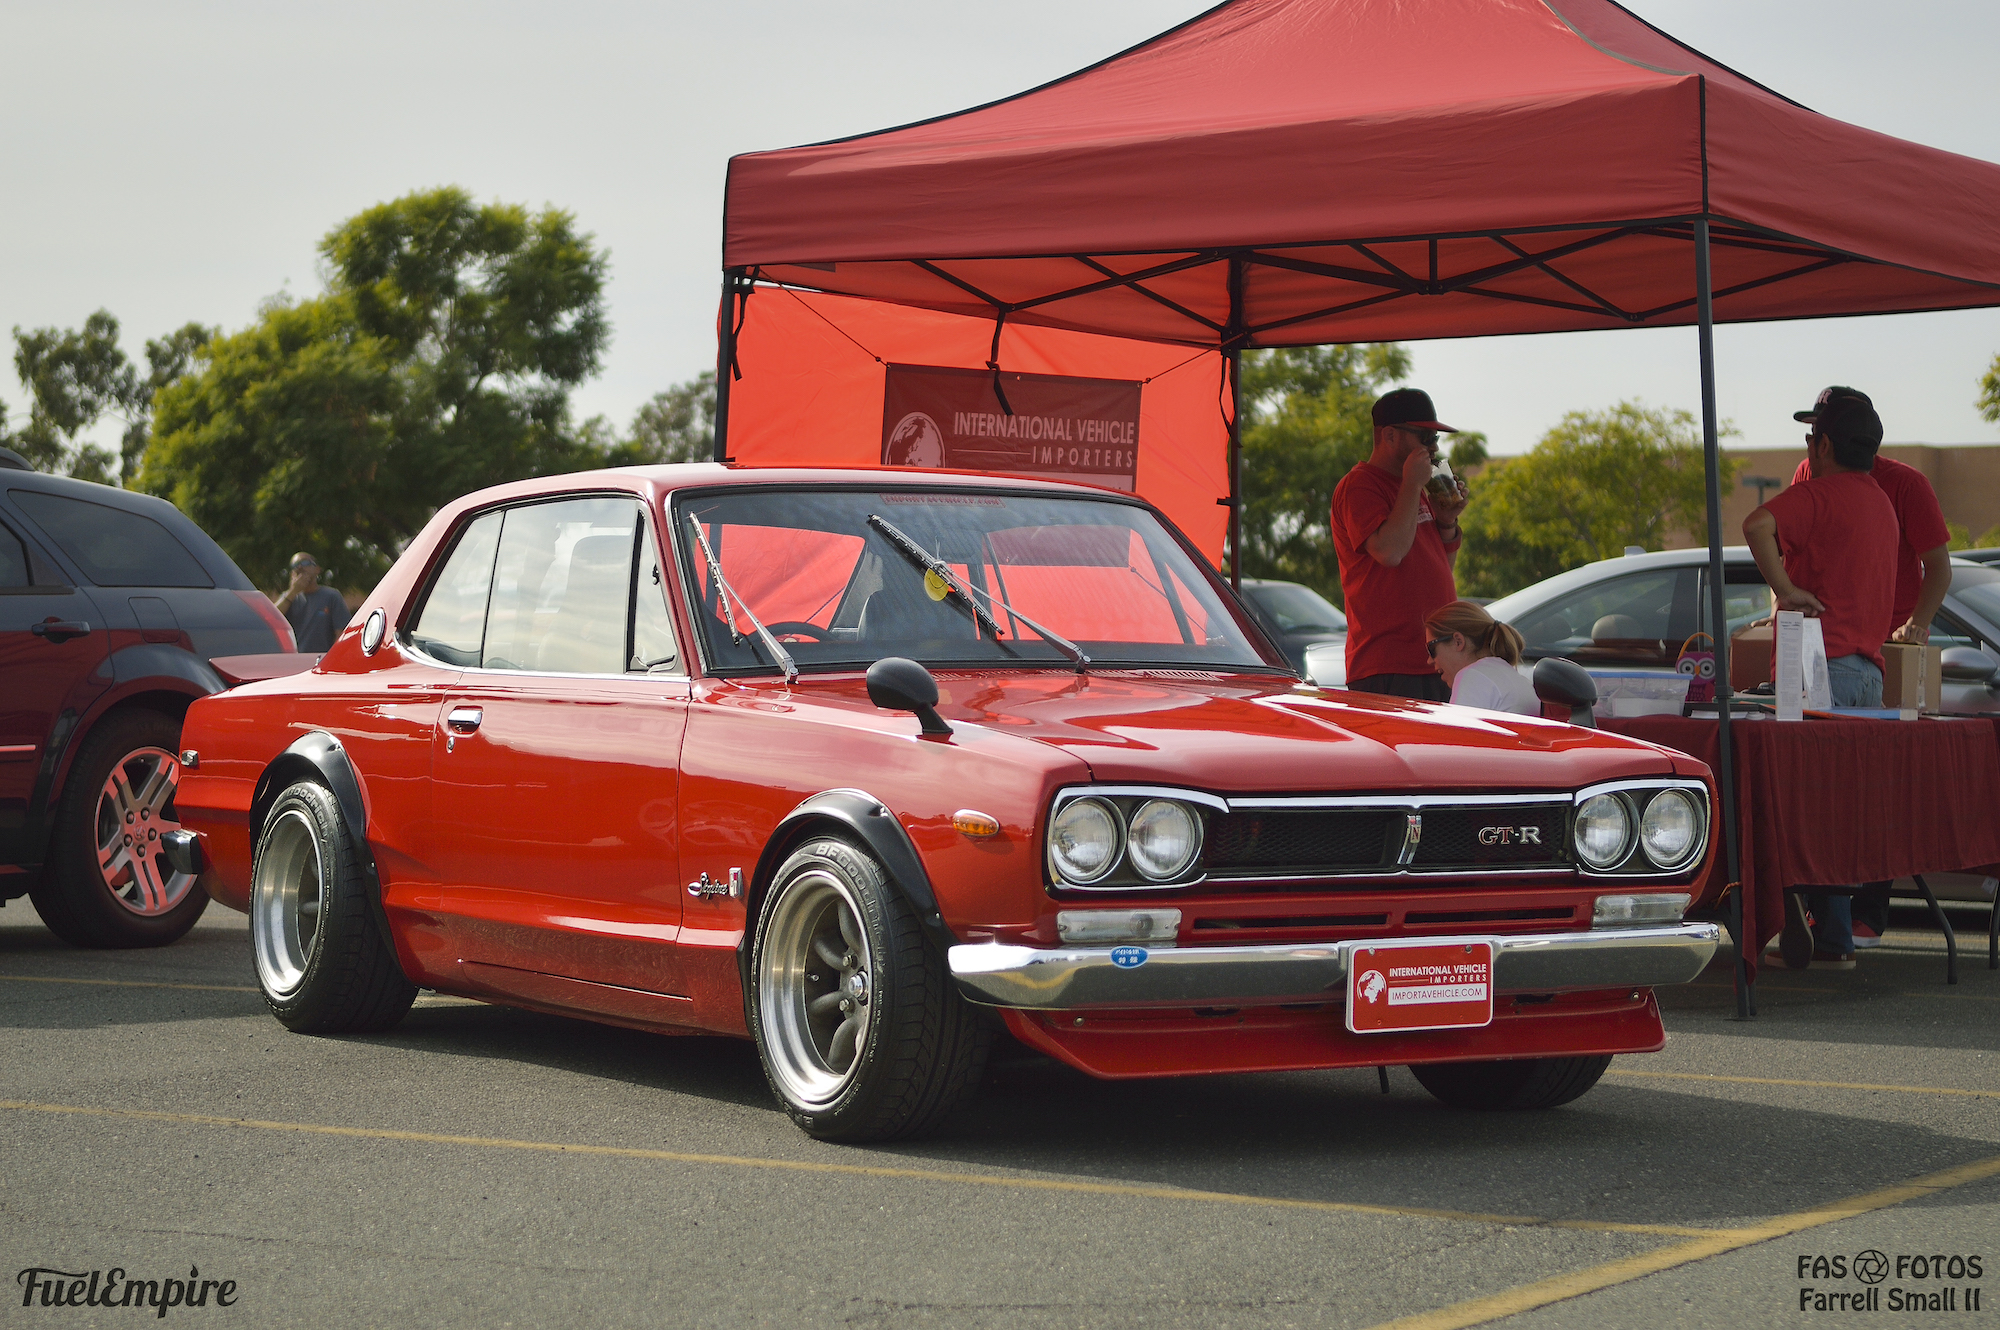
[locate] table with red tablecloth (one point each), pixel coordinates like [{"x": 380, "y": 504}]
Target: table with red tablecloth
[{"x": 1840, "y": 801}]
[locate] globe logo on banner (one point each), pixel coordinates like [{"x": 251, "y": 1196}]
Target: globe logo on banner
[{"x": 916, "y": 441}]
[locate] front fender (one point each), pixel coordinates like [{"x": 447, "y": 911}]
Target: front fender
[
  {"x": 867, "y": 819},
  {"x": 318, "y": 756}
]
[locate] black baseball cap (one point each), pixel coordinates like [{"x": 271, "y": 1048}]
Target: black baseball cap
[
  {"x": 1409, "y": 408},
  {"x": 1831, "y": 396}
]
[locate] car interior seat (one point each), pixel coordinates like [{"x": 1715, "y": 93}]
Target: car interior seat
[{"x": 588, "y": 634}]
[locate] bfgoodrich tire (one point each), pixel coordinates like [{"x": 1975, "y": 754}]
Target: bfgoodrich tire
[
  {"x": 1515, "y": 1084},
  {"x": 862, "y": 1036},
  {"x": 322, "y": 963},
  {"x": 107, "y": 882}
]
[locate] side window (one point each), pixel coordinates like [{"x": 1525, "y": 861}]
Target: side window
[
  {"x": 562, "y": 587},
  {"x": 113, "y": 547},
  {"x": 1745, "y": 598},
  {"x": 13, "y": 561},
  {"x": 453, "y": 620},
  {"x": 1640, "y": 619},
  {"x": 1947, "y": 631},
  {"x": 652, "y": 620}
]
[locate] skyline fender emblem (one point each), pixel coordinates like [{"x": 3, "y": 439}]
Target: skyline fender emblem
[{"x": 1128, "y": 958}]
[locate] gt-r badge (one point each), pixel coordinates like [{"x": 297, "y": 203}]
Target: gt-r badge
[{"x": 1128, "y": 958}]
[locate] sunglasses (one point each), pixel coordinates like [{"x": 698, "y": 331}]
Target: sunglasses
[
  {"x": 1431, "y": 647},
  {"x": 1427, "y": 437}
]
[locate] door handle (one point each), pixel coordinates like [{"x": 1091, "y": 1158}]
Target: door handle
[
  {"x": 464, "y": 720},
  {"x": 61, "y": 630}
]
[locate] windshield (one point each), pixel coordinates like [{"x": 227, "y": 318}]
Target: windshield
[
  {"x": 1297, "y": 609},
  {"x": 1979, "y": 589},
  {"x": 840, "y": 592}
]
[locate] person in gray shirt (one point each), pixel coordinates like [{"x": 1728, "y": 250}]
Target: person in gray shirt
[{"x": 317, "y": 613}]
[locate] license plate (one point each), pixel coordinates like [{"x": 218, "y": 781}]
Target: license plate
[{"x": 1419, "y": 986}]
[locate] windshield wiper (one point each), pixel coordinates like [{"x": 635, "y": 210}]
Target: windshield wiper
[
  {"x": 725, "y": 593},
  {"x": 930, "y": 563}
]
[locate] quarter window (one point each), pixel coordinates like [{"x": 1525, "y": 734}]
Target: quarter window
[
  {"x": 111, "y": 546},
  {"x": 13, "y": 561},
  {"x": 452, "y": 623},
  {"x": 652, "y": 621}
]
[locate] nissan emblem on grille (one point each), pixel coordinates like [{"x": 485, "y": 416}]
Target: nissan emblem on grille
[
  {"x": 1413, "y": 834},
  {"x": 1510, "y": 835}
]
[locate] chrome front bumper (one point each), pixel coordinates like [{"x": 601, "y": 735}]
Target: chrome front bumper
[{"x": 1062, "y": 978}]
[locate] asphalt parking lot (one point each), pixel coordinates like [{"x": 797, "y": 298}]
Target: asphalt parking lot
[{"x": 485, "y": 1167}]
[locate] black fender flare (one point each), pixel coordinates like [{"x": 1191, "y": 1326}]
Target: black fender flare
[
  {"x": 318, "y": 756},
  {"x": 862, "y": 817}
]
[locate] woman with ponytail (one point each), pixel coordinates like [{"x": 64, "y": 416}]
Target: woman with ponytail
[{"x": 1478, "y": 656}]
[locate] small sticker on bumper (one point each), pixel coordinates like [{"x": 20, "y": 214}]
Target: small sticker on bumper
[{"x": 1128, "y": 958}]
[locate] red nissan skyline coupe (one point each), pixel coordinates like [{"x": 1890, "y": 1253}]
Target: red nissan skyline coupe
[{"x": 871, "y": 765}]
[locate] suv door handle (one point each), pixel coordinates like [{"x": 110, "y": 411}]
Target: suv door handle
[
  {"x": 61, "y": 630},
  {"x": 464, "y": 720}
]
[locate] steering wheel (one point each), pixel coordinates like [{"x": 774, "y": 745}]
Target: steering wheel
[{"x": 799, "y": 628}]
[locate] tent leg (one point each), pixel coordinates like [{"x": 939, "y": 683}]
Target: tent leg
[
  {"x": 725, "y": 357},
  {"x": 1237, "y": 268},
  {"x": 1741, "y": 908}
]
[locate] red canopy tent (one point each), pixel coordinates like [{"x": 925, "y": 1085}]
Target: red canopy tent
[{"x": 1290, "y": 172}]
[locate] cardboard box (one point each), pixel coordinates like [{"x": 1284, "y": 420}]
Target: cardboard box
[
  {"x": 1912, "y": 677},
  {"x": 1750, "y": 657}
]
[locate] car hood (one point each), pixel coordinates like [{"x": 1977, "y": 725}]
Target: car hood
[{"x": 1233, "y": 733}]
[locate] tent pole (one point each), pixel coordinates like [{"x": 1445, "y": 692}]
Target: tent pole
[
  {"x": 1234, "y": 352},
  {"x": 1725, "y": 775},
  {"x": 725, "y": 359}
]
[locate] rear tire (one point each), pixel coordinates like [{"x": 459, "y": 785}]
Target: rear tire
[
  {"x": 861, "y": 1033},
  {"x": 107, "y": 882},
  {"x": 322, "y": 962},
  {"x": 1519, "y": 1083}
]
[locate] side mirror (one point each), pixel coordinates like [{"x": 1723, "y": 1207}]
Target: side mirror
[
  {"x": 1967, "y": 665},
  {"x": 898, "y": 684},
  {"x": 1567, "y": 691}
]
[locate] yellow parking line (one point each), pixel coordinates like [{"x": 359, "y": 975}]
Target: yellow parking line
[
  {"x": 1806, "y": 1085},
  {"x": 126, "y": 983},
  {"x": 1528, "y": 1297},
  {"x": 863, "y": 1170}
]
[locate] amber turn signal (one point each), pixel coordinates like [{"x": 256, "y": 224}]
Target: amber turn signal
[{"x": 974, "y": 823}]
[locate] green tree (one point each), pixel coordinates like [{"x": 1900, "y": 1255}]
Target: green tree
[
  {"x": 677, "y": 425},
  {"x": 438, "y": 360},
  {"x": 1989, "y": 392},
  {"x": 1305, "y": 425},
  {"x": 75, "y": 377},
  {"x": 1597, "y": 482}
]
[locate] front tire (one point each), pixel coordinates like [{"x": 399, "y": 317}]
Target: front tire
[
  {"x": 1520, "y": 1083},
  {"x": 322, "y": 963},
  {"x": 862, "y": 1036},
  {"x": 108, "y": 882}
]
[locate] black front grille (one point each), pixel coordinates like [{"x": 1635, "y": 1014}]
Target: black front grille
[
  {"x": 1299, "y": 841},
  {"x": 1491, "y": 836}
]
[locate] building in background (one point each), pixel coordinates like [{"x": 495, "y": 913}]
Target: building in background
[{"x": 1966, "y": 477}]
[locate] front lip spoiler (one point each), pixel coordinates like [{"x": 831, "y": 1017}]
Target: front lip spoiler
[{"x": 1063, "y": 978}]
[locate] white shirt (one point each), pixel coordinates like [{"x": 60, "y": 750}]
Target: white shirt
[{"x": 1491, "y": 684}]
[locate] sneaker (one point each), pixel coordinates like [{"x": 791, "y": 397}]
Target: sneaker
[
  {"x": 1795, "y": 943},
  {"x": 1865, "y": 937},
  {"x": 1833, "y": 960}
]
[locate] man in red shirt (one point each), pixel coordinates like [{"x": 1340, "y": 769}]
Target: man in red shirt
[
  {"x": 1923, "y": 562},
  {"x": 1923, "y": 575},
  {"x": 1839, "y": 540},
  {"x": 1397, "y": 542}
]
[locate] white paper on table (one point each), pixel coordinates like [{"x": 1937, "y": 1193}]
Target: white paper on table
[
  {"x": 1788, "y": 642},
  {"x": 1818, "y": 679}
]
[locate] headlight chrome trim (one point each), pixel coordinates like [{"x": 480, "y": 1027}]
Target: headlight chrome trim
[
  {"x": 1124, "y": 800},
  {"x": 1637, "y": 796}
]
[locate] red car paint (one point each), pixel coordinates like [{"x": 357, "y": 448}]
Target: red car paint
[{"x": 543, "y": 860}]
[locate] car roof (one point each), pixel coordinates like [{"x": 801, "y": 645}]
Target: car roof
[
  {"x": 221, "y": 569},
  {"x": 1592, "y": 573}
]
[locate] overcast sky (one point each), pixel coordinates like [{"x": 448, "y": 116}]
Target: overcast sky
[{"x": 176, "y": 161}]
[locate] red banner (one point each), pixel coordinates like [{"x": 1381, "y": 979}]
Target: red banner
[{"x": 1061, "y": 427}]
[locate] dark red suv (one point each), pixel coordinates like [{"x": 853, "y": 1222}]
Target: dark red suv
[{"x": 111, "y": 606}]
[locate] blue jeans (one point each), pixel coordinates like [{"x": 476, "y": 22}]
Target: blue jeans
[{"x": 1857, "y": 682}]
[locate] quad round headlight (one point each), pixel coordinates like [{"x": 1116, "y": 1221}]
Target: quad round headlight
[
  {"x": 1163, "y": 839},
  {"x": 1670, "y": 829},
  {"x": 1603, "y": 831},
  {"x": 1084, "y": 841}
]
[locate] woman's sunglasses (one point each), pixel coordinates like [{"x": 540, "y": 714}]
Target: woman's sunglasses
[{"x": 1431, "y": 647}]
